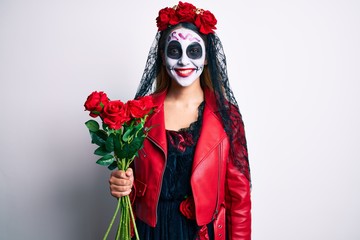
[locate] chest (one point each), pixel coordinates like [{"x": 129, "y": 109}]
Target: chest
[{"x": 177, "y": 116}]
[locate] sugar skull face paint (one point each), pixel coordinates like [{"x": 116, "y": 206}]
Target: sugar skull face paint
[{"x": 184, "y": 56}]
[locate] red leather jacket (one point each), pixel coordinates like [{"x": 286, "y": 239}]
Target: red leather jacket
[{"x": 221, "y": 192}]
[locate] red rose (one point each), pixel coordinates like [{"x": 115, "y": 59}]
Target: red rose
[
  {"x": 206, "y": 22},
  {"x": 115, "y": 114},
  {"x": 95, "y": 103},
  {"x": 138, "y": 108},
  {"x": 186, "y": 12},
  {"x": 166, "y": 17},
  {"x": 187, "y": 208}
]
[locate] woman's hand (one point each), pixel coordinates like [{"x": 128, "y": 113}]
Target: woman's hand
[{"x": 121, "y": 182}]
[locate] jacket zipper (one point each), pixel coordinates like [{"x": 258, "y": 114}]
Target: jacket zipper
[{"x": 162, "y": 175}]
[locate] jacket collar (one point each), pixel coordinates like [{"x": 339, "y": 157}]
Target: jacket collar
[
  {"x": 157, "y": 122},
  {"x": 212, "y": 130}
]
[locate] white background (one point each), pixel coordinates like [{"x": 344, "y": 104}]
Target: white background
[{"x": 293, "y": 65}]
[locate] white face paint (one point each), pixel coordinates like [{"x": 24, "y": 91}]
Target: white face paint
[{"x": 184, "y": 56}]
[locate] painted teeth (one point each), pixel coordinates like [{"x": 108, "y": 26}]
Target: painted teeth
[{"x": 185, "y": 71}]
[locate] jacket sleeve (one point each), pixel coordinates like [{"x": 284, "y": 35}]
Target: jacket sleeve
[
  {"x": 238, "y": 205},
  {"x": 237, "y": 188}
]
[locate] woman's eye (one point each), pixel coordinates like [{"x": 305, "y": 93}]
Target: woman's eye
[
  {"x": 174, "y": 50},
  {"x": 194, "y": 51}
]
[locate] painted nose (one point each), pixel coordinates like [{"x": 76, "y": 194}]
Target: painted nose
[{"x": 184, "y": 60}]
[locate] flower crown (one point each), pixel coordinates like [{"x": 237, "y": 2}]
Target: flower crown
[{"x": 204, "y": 20}]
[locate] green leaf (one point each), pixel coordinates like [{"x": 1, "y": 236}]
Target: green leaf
[
  {"x": 130, "y": 149},
  {"x": 101, "y": 151},
  {"x": 139, "y": 126},
  {"x": 117, "y": 146},
  {"x": 109, "y": 144},
  {"x": 92, "y": 125},
  {"x": 104, "y": 126},
  {"x": 112, "y": 166},
  {"x": 106, "y": 160},
  {"x": 99, "y": 137},
  {"x": 129, "y": 132}
]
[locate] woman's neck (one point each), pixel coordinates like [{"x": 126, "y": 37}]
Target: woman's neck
[
  {"x": 190, "y": 94},
  {"x": 181, "y": 105}
]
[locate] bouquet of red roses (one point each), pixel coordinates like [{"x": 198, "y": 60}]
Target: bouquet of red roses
[{"x": 119, "y": 139}]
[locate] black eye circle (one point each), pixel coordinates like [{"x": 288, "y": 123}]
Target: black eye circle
[
  {"x": 174, "y": 50},
  {"x": 194, "y": 51}
]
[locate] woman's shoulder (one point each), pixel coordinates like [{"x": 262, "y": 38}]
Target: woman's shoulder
[
  {"x": 230, "y": 108},
  {"x": 158, "y": 97}
]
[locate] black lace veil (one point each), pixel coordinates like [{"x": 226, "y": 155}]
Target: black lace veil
[{"x": 228, "y": 109}]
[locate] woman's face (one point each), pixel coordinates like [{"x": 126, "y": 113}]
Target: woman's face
[{"x": 184, "y": 56}]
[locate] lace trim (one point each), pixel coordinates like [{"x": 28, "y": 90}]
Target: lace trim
[{"x": 186, "y": 137}]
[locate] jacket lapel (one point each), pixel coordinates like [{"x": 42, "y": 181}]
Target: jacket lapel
[
  {"x": 212, "y": 131},
  {"x": 156, "y": 121}
]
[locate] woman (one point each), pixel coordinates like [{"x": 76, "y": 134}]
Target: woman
[{"x": 192, "y": 179}]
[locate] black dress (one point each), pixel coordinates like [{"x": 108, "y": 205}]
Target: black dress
[{"x": 171, "y": 223}]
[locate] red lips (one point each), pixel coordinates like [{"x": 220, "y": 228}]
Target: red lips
[{"x": 184, "y": 72}]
